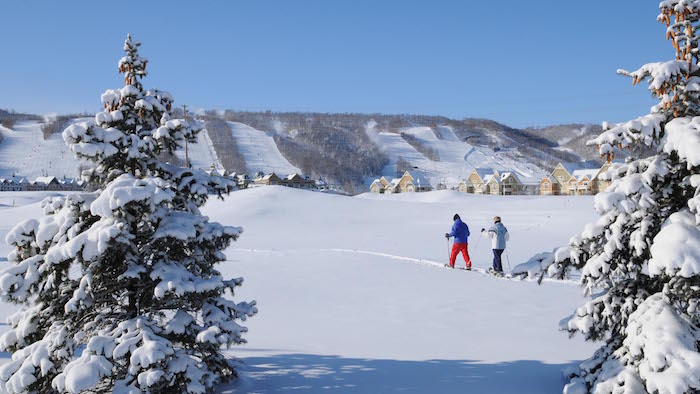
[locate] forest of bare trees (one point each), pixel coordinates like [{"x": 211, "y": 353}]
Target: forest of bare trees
[
  {"x": 421, "y": 147},
  {"x": 339, "y": 155},
  {"x": 59, "y": 123}
]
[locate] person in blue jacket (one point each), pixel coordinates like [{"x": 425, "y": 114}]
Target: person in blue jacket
[{"x": 460, "y": 232}]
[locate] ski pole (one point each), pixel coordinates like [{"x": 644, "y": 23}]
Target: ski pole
[
  {"x": 476, "y": 248},
  {"x": 448, "y": 248},
  {"x": 508, "y": 260}
]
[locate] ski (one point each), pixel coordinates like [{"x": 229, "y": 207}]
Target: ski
[{"x": 458, "y": 268}]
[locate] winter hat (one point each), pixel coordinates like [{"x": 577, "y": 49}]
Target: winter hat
[
  {"x": 456, "y": 217},
  {"x": 496, "y": 219}
]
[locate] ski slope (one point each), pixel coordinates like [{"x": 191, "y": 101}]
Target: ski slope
[
  {"x": 202, "y": 154},
  {"x": 24, "y": 152},
  {"x": 260, "y": 151},
  {"x": 457, "y": 158}
]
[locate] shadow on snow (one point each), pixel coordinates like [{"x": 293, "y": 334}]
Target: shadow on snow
[{"x": 315, "y": 373}]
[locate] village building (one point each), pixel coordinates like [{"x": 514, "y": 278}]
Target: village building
[
  {"x": 574, "y": 180},
  {"x": 601, "y": 184},
  {"x": 70, "y": 184},
  {"x": 492, "y": 184},
  {"x": 49, "y": 183},
  {"x": 8, "y": 185},
  {"x": 584, "y": 184},
  {"x": 510, "y": 184},
  {"x": 379, "y": 185},
  {"x": 242, "y": 181},
  {"x": 298, "y": 182},
  {"x": 408, "y": 183},
  {"x": 529, "y": 185},
  {"x": 267, "y": 180},
  {"x": 476, "y": 182},
  {"x": 464, "y": 186},
  {"x": 46, "y": 183},
  {"x": 549, "y": 186}
]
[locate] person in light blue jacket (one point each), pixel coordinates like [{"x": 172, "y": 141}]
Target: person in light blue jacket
[{"x": 498, "y": 234}]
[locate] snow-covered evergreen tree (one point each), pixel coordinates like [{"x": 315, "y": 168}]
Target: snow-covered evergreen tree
[
  {"x": 119, "y": 286},
  {"x": 640, "y": 262}
]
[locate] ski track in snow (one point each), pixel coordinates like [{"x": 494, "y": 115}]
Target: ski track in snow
[{"x": 429, "y": 263}]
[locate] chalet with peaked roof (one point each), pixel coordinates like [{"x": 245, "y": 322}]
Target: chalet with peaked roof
[
  {"x": 510, "y": 184},
  {"x": 599, "y": 181},
  {"x": 475, "y": 182},
  {"x": 44, "y": 183},
  {"x": 379, "y": 185},
  {"x": 408, "y": 183},
  {"x": 574, "y": 180},
  {"x": 549, "y": 186},
  {"x": 267, "y": 180},
  {"x": 295, "y": 181},
  {"x": 492, "y": 184},
  {"x": 50, "y": 183},
  {"x": 242, "y": 181},
  {"x": 9, "y": 185},
  {"x": 298, "y": 182}
]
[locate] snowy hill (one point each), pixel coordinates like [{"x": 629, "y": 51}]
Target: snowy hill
[
  {"x": 23, "y": 151},
  {"x": 353, "y": 296},
  {"x": 346, "y": 149}
]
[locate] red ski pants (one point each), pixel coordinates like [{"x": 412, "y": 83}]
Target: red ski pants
[{"x": 456, "y": 248}]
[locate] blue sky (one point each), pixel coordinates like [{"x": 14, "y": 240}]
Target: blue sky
[{"x": 518, "y": 62}]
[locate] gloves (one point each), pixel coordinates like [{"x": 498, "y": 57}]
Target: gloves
[
  {"x": 447, "y": 235},
  {"x": 483, "y": 229}
]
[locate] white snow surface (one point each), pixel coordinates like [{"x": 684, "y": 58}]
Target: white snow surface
[
  {"x": 260, "y": 151},
  {"x": 354, "y": 297},
  {"x": 457, "y": 158}
]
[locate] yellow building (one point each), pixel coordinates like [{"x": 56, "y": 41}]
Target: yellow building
[
  {"x": 476, "y": 182},
  {"x": 408, "y": 183},
  {"x": 572, "y": 179}
]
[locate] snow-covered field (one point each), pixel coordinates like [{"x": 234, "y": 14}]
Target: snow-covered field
[
  {"x": 260, "y": 151},
  {"x": 353, "y": 296},
  {"x": 457, "y": 158}
]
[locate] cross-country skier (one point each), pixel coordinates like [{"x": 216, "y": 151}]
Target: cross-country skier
[
  {"x": 460, "y": 232},
  {"x": 498, "y": 233}
]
